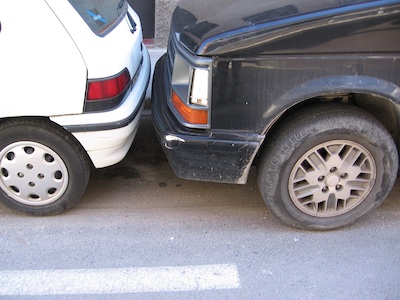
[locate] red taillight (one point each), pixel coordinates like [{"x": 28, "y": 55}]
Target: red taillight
[{"x": 108, "y": 88}]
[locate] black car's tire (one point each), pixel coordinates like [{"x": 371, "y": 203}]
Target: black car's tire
[
  {"x": 43, "y": 170},
  {"x": 327, "y": 167}
]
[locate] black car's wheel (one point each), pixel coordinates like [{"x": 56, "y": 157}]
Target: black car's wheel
[
  {"x": 42, "y": 169},
  {"x": 326, "y": 168}
]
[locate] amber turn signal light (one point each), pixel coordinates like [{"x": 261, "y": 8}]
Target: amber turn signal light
[{"x": 190, "y": 115}]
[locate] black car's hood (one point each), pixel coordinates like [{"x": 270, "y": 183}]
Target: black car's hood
[{"x": 214, "y": 26}]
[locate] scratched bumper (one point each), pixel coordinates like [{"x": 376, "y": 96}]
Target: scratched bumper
[{"x": 208, "y": 155}]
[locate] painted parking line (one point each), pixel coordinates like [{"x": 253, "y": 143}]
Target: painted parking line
[{"x": 116, "y": 281}]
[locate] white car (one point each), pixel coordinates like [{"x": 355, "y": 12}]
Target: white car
[{"x": 73, "y": 77}]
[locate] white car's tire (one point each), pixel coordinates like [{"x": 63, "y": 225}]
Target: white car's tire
[{"x": 43, "y": 170}]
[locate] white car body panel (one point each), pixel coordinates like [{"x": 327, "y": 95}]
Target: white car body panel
[
  {"x": 37, "y": 86},
  {"x": 104, "y": 56}
]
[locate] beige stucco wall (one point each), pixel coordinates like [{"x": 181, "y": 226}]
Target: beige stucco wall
[{"x": 164, "y": 10}]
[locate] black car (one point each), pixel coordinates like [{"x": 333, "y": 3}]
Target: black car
[{"x": 308, "y": 91}]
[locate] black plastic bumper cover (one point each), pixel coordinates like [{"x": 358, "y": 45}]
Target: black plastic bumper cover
[{"x": 210, "y": 155}]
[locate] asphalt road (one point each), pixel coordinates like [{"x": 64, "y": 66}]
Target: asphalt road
[{"x": 140, "y": 232}]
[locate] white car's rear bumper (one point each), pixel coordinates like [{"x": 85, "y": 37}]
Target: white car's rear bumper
[{"x": 107, "y": 136}]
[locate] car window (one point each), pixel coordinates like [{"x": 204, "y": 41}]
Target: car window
[{"x": 100, "y": 15}]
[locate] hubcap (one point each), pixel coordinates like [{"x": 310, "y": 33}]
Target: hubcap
[
  {"x": 32, "y": 173},
  {"x": 332, "y": 178}
]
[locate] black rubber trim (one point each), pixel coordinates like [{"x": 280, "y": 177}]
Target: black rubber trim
[{"x": 108, "y": 126}]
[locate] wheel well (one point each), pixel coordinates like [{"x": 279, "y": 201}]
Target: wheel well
[
  {"x": 379, "y": 107},
  {"x": 53, "y": 124}
]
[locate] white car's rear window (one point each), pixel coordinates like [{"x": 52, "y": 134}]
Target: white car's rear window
[{"x": 100, "y": 15}]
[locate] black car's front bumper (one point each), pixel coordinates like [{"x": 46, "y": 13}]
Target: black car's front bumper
[{"x": 208, "y": 155}]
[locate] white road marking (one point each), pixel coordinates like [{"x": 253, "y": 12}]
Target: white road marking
[{"x": 113, "y": 281}]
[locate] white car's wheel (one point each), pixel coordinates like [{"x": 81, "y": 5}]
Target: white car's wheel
[{"x": 42, "y": 168}]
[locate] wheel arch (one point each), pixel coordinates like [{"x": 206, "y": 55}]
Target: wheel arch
[
  {"x": 378, "y": 97},
  {"x": 45, "y": 120}
]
